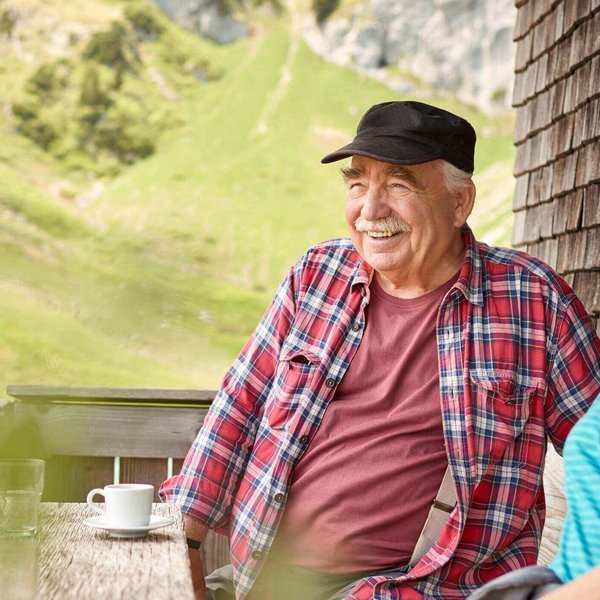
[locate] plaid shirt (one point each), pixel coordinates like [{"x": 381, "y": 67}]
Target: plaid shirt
[{"x": 518, "y": 361}]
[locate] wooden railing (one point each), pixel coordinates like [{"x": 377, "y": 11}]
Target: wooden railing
[{"x": 93, "y": 436}]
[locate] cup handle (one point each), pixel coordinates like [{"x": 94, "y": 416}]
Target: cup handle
[{"x": 90, "y": 500}]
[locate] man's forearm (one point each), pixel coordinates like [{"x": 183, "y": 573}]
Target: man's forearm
[{"x": 195, "y": 530}]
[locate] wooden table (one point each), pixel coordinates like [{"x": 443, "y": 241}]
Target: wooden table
[{"x": 76, "y": 561}]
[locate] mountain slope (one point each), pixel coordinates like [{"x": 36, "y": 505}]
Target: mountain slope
[{"x": 156, "y": 277}]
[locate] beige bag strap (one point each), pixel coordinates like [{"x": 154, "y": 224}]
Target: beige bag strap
[{"x": 442, "y": 506}]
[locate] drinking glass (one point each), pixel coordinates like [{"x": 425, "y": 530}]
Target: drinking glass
[{"x": 21, "y": 486}]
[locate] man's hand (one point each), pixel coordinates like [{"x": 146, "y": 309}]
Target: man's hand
[{"x": 196, "y": 531}]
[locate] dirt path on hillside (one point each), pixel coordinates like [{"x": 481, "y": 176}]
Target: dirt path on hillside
[{"x": 275, "y": 96}]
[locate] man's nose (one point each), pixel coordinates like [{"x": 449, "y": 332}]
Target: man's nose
[{"x": 374, "y": 204}]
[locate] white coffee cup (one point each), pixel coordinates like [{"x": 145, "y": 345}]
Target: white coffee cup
[{"x": 127, "y": 504}]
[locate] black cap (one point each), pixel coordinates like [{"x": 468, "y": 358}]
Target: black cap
[{"x": 408, "y": 133}]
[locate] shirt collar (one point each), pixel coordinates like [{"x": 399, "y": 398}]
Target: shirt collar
[{"x": 469, "y": 278}]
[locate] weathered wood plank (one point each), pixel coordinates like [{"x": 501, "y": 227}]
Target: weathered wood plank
[
  {"x": 70, "y": 478},
  {"x": 80, "y": 563},
  {"x": 144, "y": 470},
  {"x": 138, "y": 431},
  {"x": 46, "y": 393}
]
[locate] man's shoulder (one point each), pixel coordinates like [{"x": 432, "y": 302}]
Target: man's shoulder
[
  {"x": 512, "y": 263},
  {"x": 336, "y": 257},
  {"x": 336, "y": 250}
]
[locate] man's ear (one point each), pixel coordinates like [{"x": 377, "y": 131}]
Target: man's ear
[{"x": 463, "y": 203}]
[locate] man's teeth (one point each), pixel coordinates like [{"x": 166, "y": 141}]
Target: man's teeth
[{"x": 381, "y": 234}]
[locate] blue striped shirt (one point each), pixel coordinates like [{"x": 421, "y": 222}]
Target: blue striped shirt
[{"x": 579, "y": 549}]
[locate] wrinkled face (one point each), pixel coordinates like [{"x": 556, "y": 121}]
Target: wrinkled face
[{"x": 402, "y": 219}]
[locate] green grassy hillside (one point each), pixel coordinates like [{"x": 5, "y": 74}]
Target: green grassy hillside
[{"x": 156, "y": 276}]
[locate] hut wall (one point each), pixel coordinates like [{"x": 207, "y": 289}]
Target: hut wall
[{"x": 557, "y": 134}]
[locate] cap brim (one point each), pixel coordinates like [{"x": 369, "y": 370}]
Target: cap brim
[{"x": 352, "y": 150}]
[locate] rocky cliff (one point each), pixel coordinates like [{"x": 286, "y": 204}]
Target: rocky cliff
[
  {"x": 461, "y": 47},
  {"x": 205, "y": 17}
]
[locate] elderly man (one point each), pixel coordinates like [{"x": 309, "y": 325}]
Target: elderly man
[{"x": 384, "y": 362}]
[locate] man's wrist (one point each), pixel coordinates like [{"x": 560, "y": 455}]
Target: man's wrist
[{"x": 193, "y": 544}]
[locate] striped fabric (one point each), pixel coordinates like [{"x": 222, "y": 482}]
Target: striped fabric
[
  {"x": 518, "y": 361},
  {"x": 579, "y": 549}
]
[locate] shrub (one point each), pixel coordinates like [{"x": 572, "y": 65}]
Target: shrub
[
  {"x": 7, "y": 22},
  {"x": 26, "y": 109},
  {"x": 91, "y": 93},
  {"x": 38, "y": 130},
  {"x": 144, "y": 20},
  {"x": 108, "y": 47},
  {"x": 43, "y": 81},
  {"x": 323, "y": 9}
]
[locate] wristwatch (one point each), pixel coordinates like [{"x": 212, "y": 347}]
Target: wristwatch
[{"x": 193, "y": 544}]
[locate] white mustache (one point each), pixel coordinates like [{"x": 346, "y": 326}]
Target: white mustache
[{"x": 391, "y": 224}]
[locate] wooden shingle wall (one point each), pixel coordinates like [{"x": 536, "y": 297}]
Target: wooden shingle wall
[{"x": 557, "y": 134}]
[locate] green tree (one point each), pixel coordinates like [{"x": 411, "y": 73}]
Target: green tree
[{"x": 91, "y": 93}]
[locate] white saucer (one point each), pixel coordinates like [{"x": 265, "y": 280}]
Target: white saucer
[{"x": 100, "y": 522}]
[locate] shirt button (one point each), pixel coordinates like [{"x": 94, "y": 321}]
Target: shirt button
[
  {"x": 304, "y": 439},
  {"x": 356, "y": 326},
  {"x": 257, "y": 555},
  {"x": 279, "y": 497},
  {"x": 330, "y": 382},
  {"x": 509, "y": 402}
]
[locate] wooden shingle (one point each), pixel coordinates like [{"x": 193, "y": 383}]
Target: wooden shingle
[
  {"x": 523, "y": 54},
  {"x": 547, "y": 217},
  {"x": 567, "y": 174},
  {"x": 570, "y": 93},
  {"x": 582, "y": 78},
  {"x": 592, "y": 254},
  {"x": 582, "y": 119},
  {"x": 563, "y": 134},
  {"x": 544, "y": 78},
  {"x": 531, "y": 232},
  {"x": 566, "y": 247},
  {"x": 559, "y": 222},
  {"x": 592, "y": 35},
  {"x": 558, "y": 99},
  {"x": 518, "y": 97},
  {"x": 559, "y": 21},
  {"x": 575, "y": 12},
  {"x": 588, "y": 165},
  {"x": 533, "y": 191},
  {"x": 563, "y": 54},
  {"x": 577, "y": 51},
  {"x": 574, "y": 202},
  {"x": 591, "y": 206},
  {"x": 594, "y": 76},
  {"x": 518, "y": 231},
  {"x": 521, "y": 190}
]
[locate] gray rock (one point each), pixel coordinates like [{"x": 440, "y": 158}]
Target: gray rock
[
  {"x": 203, "y": 17},
  {"x": 461, "y": 47}
]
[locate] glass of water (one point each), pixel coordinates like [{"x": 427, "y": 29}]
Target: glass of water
[{"x": 21, "y": 487}]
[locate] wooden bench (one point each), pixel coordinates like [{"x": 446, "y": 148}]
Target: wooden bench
[{"x": 93, "y": 436}]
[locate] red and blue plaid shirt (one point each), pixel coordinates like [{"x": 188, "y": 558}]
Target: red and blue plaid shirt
[{"x": 519, "y": 360}]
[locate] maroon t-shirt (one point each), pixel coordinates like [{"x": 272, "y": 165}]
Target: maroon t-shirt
[{"x": 362, "y": 491}]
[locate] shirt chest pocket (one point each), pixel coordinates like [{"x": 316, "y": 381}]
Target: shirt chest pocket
[
  {"x": 498, "y": 415},
  {"x": 293, "y": 387}
]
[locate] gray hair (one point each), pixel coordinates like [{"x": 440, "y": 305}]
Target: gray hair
[{"x": 456, "y": 179}]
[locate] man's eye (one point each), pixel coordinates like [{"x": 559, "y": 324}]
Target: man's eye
[{"x": 399, "y": 186}]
